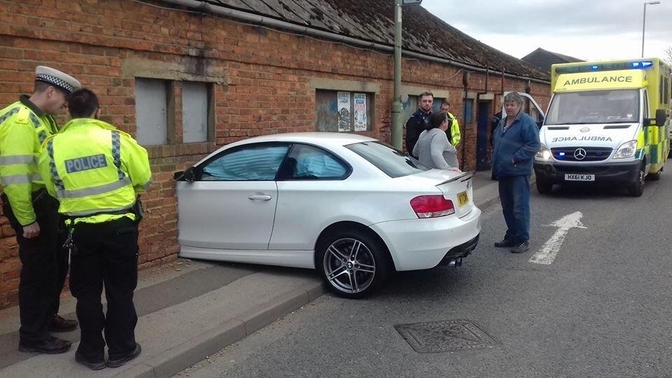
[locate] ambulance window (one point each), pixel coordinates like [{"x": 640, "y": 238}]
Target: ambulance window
[{"x": 645, "y": 113}]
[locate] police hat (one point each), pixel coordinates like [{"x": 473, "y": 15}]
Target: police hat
[{"x": 56, "y": 78}]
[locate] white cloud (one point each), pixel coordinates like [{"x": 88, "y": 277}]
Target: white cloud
[{"x": 585, "y": 29}]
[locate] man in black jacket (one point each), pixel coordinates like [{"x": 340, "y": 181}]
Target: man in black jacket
[{"x": 419, "y": 120}]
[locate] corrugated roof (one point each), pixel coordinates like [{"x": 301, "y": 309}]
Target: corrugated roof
[{"x": 373, "y": 20}]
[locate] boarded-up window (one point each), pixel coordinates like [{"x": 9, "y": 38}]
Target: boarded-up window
[
  {"x": 151, "y": 111},
  {"x": 195, "y": 101},
  {"x": 342, "y": 111}
]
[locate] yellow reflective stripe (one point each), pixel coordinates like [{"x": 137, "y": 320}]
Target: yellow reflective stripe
[
  {"x": 17, "y": 159},
  {"x": 19, "y": 179},
  {"x": 79, "y": 193}
]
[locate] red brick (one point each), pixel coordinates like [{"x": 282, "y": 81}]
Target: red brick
[{"x": 268, "y": 76}]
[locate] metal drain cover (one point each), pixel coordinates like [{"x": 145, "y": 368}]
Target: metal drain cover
[{"x": 445, "y": 336}]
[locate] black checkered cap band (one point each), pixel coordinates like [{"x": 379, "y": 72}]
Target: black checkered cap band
[{"x": 49, "y": 79}]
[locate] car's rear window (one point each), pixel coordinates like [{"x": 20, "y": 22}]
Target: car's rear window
[{"x": 387, "y": 158}]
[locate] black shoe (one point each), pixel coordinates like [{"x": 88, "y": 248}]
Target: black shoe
[
  {"x": 506, "y": 243},
  {"x": 52, "y": 345},
  {"x": 117, "y": 362},
  {"x": 59, "y": 324},
  {"x": 99, "y": 365},
  {"x": 522, "y": 247}
]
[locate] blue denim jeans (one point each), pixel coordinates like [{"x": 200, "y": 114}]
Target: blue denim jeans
[{"x": 514, "y": 195}]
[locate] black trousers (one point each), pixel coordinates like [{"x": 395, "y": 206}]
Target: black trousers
[
  {"x": 107, "y": 255},
  {"x": 39, "y": 287}
]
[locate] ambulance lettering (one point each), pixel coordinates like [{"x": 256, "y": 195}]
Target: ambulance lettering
[
  {"x": 582, "y": 139},
  {"x": 606, "y": 79}
]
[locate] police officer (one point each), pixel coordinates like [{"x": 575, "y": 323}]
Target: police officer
[
  {"x": 419, "y": 121},
  {"x": 32, "y": 213},
  {"x": 96, "y": 172},
  {"x": 453, "y": 132}
]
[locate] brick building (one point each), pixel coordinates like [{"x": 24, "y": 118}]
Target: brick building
[{"x": 185, "y": 77}]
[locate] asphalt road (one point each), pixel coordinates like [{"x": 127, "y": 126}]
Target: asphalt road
[{"x": 602, "y": 308}]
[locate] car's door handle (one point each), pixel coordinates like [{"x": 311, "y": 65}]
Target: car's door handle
[{"x": 260, "y": 197}]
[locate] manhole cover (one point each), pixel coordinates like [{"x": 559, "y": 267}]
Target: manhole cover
[{"x": 445, "y": 336}]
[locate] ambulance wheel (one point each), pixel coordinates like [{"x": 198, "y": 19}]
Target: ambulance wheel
[
  {"x": 544, "y": 187},
  {"x": 636, "y": 189}
]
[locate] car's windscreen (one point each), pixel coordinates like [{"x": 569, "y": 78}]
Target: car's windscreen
[
  {"x": 605, "y": 106},
  {"x": 391, "y": 161}
]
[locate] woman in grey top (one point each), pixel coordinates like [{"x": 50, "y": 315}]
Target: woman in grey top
[{"x": 433, "y": 149}]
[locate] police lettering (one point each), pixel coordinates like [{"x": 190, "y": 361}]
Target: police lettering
[
  {"x": 85, "y": 163},
  {"x": 606, "y": 79},
  {"x": 583, "y": 138}
]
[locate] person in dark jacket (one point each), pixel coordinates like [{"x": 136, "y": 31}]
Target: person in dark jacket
[
  {"x": 516, "y": 141},
  {"x": 419, "y": 121}
]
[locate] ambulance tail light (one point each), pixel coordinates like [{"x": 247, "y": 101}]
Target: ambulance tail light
[
  {"x": 544, "y": 153},
  {"x": 626, "y": 150}
]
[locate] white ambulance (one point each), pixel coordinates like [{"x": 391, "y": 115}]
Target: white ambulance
[{"x": 605, "y": 125}]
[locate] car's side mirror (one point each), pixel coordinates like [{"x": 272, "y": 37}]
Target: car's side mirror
[{"x": 189, "y": 175}]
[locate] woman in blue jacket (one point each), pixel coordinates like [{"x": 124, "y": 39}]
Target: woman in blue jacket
[{"x": 516, "y": 141}]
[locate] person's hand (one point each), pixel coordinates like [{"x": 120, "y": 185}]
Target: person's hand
[
  {"x": 31, "y": 231},
  {"x": 455, "y": 169}
]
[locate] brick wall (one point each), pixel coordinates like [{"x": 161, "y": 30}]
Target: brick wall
[{"x": 262, "y": 84}]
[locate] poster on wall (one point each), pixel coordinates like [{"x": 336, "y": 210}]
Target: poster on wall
[
  {"x": 343, "y": 111},
  {"x": 360, "y": 112}
]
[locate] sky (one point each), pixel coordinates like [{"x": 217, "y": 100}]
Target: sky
[{"x": 583, "y": 29}]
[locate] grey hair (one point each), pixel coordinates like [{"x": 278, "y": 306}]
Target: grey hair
[{"x": 514, "y": 97}]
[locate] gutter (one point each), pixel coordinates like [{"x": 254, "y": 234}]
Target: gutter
[{"x": 274, "y": 23}]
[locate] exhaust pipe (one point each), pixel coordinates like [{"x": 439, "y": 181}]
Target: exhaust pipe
[{"x": 455, "y": 263}]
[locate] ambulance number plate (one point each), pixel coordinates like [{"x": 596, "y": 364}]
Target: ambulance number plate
[{"x": 578, "y": 177}]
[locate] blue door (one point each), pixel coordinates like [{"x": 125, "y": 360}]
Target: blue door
[{"x": 483, "y": 136}]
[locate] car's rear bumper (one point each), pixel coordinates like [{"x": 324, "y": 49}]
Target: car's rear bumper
[
  {"x": 462, "y": 250},
  {"x": 424, "y": 243}
]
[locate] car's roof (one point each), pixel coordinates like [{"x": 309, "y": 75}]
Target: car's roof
[{"x": 312, "y": 137}]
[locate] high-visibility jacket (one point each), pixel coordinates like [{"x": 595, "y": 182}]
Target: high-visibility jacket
[
  {"x": 23, "y": 128},
  {"x": 453, "y": 131},
  {"x": 94, "y": 170}
]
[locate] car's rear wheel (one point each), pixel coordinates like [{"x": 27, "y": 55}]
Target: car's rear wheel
[{"x": 353, "y": 263}]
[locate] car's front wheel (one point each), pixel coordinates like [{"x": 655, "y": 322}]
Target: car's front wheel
[{"x": 353, "y": 263}]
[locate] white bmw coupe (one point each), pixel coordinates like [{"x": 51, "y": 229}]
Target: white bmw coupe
[{"x": 347, "y": 205}]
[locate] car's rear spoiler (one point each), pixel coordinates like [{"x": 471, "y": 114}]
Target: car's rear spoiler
[{"x": 463, "y": 177}]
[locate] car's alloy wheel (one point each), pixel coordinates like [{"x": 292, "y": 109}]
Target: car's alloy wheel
[{"x": 352, "y": 263}]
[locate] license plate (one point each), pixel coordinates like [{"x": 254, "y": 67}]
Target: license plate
[
  {"x": 577, "y": 177},
  {"x": 463, "y": 198}
]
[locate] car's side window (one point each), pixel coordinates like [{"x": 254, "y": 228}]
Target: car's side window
[
  {"x": 312, "y": 163},
  {"x": 250, "y": 163}
]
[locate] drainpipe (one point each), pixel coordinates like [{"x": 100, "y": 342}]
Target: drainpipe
[
  {"x": 465, "y": 83},
  {"x": 397, "y": 128}
]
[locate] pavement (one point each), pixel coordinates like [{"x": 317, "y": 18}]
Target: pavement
[{"x": 189, "y": 310}]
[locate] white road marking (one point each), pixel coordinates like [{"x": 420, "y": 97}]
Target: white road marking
[{"x": 547, "y": 253}]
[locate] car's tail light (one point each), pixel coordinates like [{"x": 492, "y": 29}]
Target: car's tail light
[{"x": 432, "y": 206}]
